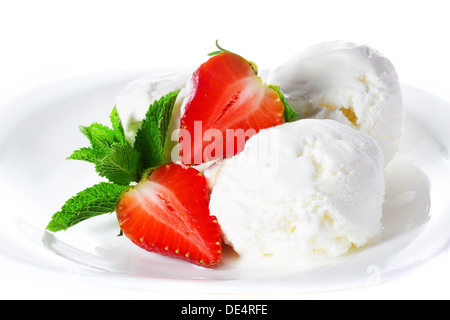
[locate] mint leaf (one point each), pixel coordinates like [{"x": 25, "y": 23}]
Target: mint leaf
[
  {"x": 96, "y": 200},
  {"x": 117, "y": 160},
  {"x": 289, "y": 114},
  {"x": 117, "y": 126},
  {"x": 87, "y": 154},
  {"x": 102, "y": 138},
  {"x": 151, "y": 136},
  {"x": 113, "y": 156},
  {"x": 121, "y": 165}
]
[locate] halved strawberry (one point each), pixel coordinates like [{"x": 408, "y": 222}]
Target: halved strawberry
[
  {"x": 226, "y": 95},
  {"x": 168, "y": 213}
]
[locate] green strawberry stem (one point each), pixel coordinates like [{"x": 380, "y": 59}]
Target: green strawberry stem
[{"x": 252, "y": 64}]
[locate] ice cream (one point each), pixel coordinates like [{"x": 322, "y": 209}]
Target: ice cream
[
  {"x": 350, "y": 83},
  {"x": 133, "y": 101},
  {"x": 310, "y": 188}
]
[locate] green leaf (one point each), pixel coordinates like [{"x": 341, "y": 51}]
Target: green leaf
[
  {"x": 117, "y": 126},
  {"x": 87, "y": 154},
  {"x": 111, "y": 153},
  {"x": 151, "y": 136},
  {"x": 214, "y": 53},
  {"x": 121, "y": 166},
  {"x": 99, "y": 199},
  {"x": 100, "y": 136},
  {"x": 253, "y": 65},
  {"x": 289, "y": 114}
]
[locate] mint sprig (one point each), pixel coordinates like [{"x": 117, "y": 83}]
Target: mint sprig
[
  {"x": 96, "y": 200},
  {"x": 151, "y": 136},
  {"x": 113, "y": 156},
  {"x": 122, "y": 165},
  {"x": 116, "y": 160}
]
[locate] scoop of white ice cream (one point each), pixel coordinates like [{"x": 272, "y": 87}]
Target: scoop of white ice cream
[
  {"x": 134, "y": 100},
  {"x": 309, "y": 188},
  {"x": 350, "y": 83}
]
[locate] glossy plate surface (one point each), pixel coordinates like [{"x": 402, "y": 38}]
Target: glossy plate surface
[{"x": 39, "y": 130}]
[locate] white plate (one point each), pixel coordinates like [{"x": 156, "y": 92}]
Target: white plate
[{"x": 39, "y": 130}]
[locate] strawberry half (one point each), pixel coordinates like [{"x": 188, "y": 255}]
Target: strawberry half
[
  {"x": 228, "y": 97},
  {"x": 168, "y": 213}
]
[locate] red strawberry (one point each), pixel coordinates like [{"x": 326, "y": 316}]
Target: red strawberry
[
  {"x": 168, "y": 213},
  {"x": 226, "y": 94}
]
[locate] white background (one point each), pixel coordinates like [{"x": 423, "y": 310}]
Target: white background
[{"x": 46, "y": 41}]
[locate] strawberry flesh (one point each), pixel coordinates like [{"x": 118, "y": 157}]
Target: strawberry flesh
[
  {"x": 168, "y": 213},
  {"x": 226, "y": 94}
]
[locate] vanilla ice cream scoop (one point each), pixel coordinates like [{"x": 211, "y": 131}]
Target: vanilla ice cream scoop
[
  {"x": 310, "y": 188},
  {"x": 350, "y": 83},
  {"x": 134, "y": 100}
]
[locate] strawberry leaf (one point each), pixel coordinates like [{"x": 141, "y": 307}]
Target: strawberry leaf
[
  {"x": 96, "y": 200},
  {"x": 221, "y": 50},
  {"x": 289, "y": 114}
]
